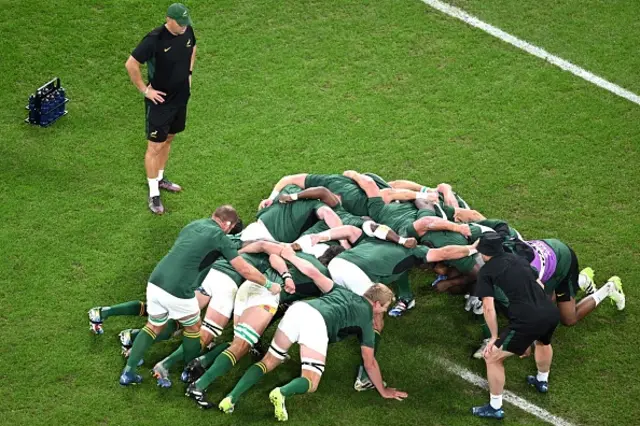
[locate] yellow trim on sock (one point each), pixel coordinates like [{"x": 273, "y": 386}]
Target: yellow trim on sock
[
  {"x": 310, "y": 383},
  {"x": 230, "y": 355},
  {"x": 149, "y": 332},
  {"x": 191, "y": 334},
  {"x": 377, "y": 332},
  {"x": 141, "y": 308},
  {"x": 262, "y": 366}
]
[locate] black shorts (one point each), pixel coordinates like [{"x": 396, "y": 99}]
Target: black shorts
[
  {"x": 568, "y": 287},
  {"x": 164, "y": 120},
  {"x": 517, "y": 339}
]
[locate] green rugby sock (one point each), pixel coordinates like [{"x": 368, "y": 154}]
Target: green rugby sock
[
  {"x": 221, "y": 366},
  {"x": 248, "y": 380},
  {"x": 296, "y": 386},
  {"x": 167, "y": 331},
  {"x": 404, "y": 288},
  {"x": 165, "y": 334},
  {"x": 190, "y": 345},
  {"x": 140, "y": 345},
  {"x": 207, "y": 359},
  {"x": 177, "y": 355},
  {"x": 134, "y": 307}
]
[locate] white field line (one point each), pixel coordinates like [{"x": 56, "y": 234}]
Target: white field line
[
  {"x": 534, "y": 50},
  {"x": 509, "y": 397}
]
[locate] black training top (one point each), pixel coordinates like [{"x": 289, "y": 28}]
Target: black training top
[
  {"x": 509, "y": 276},
  {"x": 168, "y": 59}
]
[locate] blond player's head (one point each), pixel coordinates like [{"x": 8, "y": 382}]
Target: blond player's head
[{"x": 380, "y": 296}]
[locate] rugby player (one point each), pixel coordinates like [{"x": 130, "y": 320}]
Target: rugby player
[{"x": 171, "y": 286}]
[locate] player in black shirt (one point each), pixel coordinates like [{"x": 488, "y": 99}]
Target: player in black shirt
[
  {"x": 532, "y": 318},
  {"x": 169, "y": 52}
]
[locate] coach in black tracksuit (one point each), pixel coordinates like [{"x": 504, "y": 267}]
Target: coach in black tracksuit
[
  {"x": 169, "y": 52},
  {"x": 532, "y": 318}
]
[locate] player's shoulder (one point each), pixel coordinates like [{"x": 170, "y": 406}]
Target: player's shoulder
[{"x": 156, "y": 33}]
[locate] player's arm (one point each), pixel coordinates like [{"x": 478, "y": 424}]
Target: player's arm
[
  {"x": 384, "y": 233},
  {"x": 297, "y": 180},
  {"x": 330, "y": 217},
  {"x": 322, "y": 282},
  {"x": 315, "y": 193},
  {"x": 431, "y": 223},
  {"x": 410, "y": 185},
  {"x": 133, "y": 68},
  {"x": 280, "y": 266},
  {"x": 467, "y": 215},
  {"x": 141, "y": 54},
  {"x": 193, "y": 61},
  {"x": 373, "y": 370},
  {"x": 261, "y": 246},
  {"x": 250, "y": 273},
  {"x": 396, "y": 194},
  {"x": 447, "y": 192},
  {"x": 344, "y": 232},
  {"x": 243, "y": 267},
  {"x": 490, "y": 317},
  {"x": 367, "y": 184},
  {"x": 451, "y": 252}
]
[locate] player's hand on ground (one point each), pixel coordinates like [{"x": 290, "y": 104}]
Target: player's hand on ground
[
  {"x": 265, "y": 203},
  {"x": 155, "y": 96},
  {"x": 410, "y": 243},
  {"x": 289, "y": 286},
  {"x": 391, "y": 393},
  {"x": 285, "y": 198}
]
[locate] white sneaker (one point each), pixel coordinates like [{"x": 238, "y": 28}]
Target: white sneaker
[
  {"x": 473, "y": 303},
  {"x": 585, "y": 281},
  {"x": 476, "y": 304},
  {"x": 480, "y": 352},
  {"x": 617, "y": 295}
]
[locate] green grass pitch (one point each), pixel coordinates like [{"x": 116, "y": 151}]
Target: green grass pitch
[{"x": 313, "y": 86}]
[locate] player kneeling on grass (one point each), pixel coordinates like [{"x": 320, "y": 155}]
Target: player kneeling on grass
[
  {"x": 313, "y": 325},
  {"x": 254, "y": 309},
  {"x": 172, "y": 284},
  {"x": 532, "y": 318}
]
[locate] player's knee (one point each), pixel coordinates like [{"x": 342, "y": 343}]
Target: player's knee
[
  {"x": 313, "y": 386},
  {"x": 243, "y": 332},
  {"x": 568, "y": 320},
  {"x": 155, "y": 328},
  {"x": 239, "y": 347},
  {"x": 270, "y": 361}
]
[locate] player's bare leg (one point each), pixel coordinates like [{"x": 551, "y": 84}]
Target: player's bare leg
[{"x": 163, "y": 182}]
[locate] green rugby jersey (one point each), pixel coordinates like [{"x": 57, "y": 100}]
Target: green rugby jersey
[
  {"x": 198, "y": 245},
  {"x": 287, "y": 221},
  {"x": 354, "y": 199},
  {"x": 382, "y": 261},
  {"x": 345, "y": 313}
]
